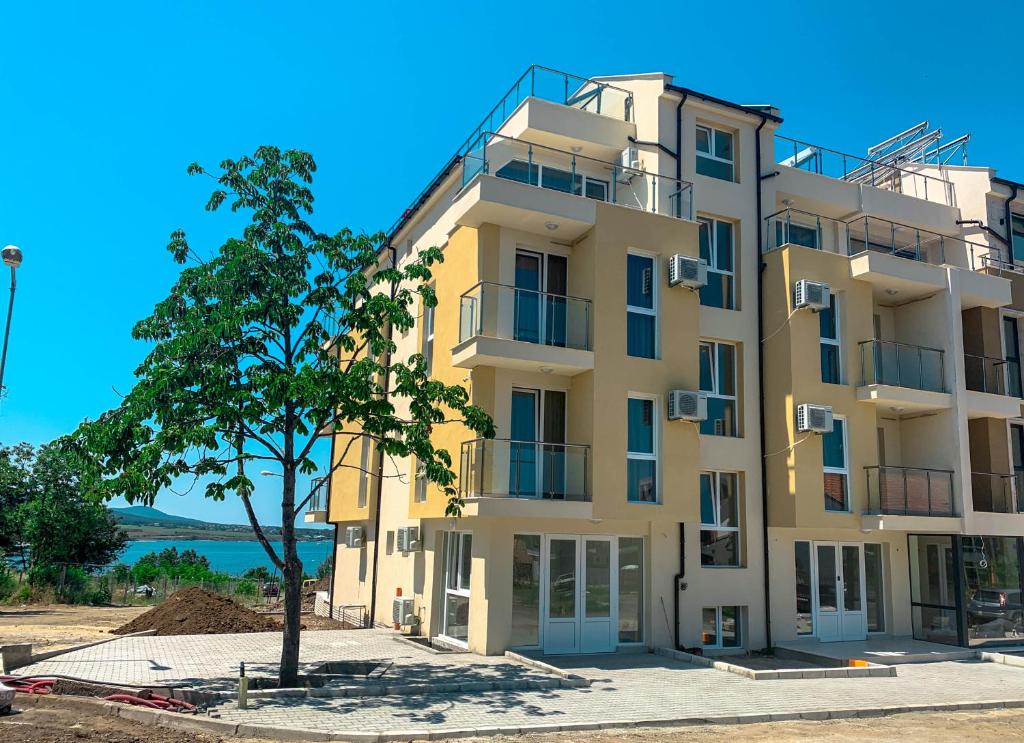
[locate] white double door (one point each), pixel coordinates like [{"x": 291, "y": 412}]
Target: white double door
[
  {"x": 839, "y": 591},
  {"x": 580, "y": 595}
]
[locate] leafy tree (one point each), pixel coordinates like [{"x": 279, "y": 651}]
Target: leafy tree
[
  {"x": 282, "y": 333},
  {"x": 259, "y": 574},
  {"x": 57, "y": 520},
  {"x": 324, "y": 570},
  {"x": 16, "y": 487}
]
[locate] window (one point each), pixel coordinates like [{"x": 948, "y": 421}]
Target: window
[
  {"x": 715, "y": 156},
  {"x": 556, "y": 179},
  {"x": 719, "y": 519},
  {"x": 828, "y": 322},
  {"x": 833, "y": 447},
  {"x": 525, "y": 590},
  {"x": 1017, "y": 232},
  {"x": 420, "y": 480},
  {"x": 364, "y": 472},
  {"x": 718, "y": 379},
  {"x": 428, "y": 338},
  {"x": 875, "y": 587},
  {"x": 631, "y": 589},
  {"x": 720, "y": 627},
  {"x": 458, "y": 565},
  {"x": 641, "y": 454},
  {"x": 641, "y": 307},
  {"x": 804, "y": 581},
  {"x": 1011, "y": 354},
  {"x": 716, "y": 247}
]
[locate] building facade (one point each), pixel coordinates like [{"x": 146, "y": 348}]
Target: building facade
[{"x": 620, "y": 292}]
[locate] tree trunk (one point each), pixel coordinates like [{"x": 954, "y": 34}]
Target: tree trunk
[{"x": 289, "y": 676}]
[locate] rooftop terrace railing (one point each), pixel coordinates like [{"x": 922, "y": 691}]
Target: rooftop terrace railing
[
  {"x": 558, "y": 170},
  {"x": 557, "y": 87},
  {"x": 318, "y": 494},
  {"x": 855, "y": 169}
]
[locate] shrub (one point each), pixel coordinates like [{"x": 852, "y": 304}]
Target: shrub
[{"x": 8, "y": 584}]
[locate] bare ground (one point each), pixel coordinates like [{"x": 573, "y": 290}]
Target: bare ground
[
  {"x": 46, "y": 724},
  {"x": 56, "y": 626}
]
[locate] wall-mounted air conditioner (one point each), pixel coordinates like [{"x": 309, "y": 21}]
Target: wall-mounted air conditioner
[
  {"x": 812, "y": 294},
  {"x": 353, "y": 536},
  {"x": 687, "y": 271},
  {"x": 403, "y": 611},
  {"x": 407, "y": 539},
  {"x": 813, "y": 418},
  {"x": 684, "y": 405},
  {"x": 629, "y": 165}
]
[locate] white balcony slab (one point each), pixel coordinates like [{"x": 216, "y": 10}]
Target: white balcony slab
[
  {"x": 907, "y": 398},
  {"x": 983, "y": 289},
  {"x": 315, "y": 517},
  {"x": 505, "y": 507},
  {"x": 989, "y": 405},
  {"x": 508, "y": 354},
  {"x": 896, "y": 279},
  {"x": 915, "y": 524},
  {"x": 565, "y": 127}
]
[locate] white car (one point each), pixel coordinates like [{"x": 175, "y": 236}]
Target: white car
[{"x": 6, "y": 699}]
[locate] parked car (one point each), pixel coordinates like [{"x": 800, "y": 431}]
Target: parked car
[
  {"x": 996, "y": 605},
  {"x": 271, "y": 589},
  {"x": 144, "y": 590}
]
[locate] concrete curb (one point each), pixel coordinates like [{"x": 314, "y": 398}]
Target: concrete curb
[
  {"x": 579, "y": 681},
  {"x": 178, "y": 721},
  {"x": 781, "y": 674}
]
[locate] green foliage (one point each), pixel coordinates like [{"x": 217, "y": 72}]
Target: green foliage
[
  {"x": 259, "y": 574},
  {"x": 8, "y": 584},
  {"x": 16, "y": 487},
  {"x": 246, "y": 588},
  {"x": 324, "y": 569},
  {"x": 188, "y": 566}
]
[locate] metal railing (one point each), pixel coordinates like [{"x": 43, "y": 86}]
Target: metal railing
[
  {"x": 510, "y": 313},
  {"x": 997, "y": 493},
  {"x": 558, "y": 170},
  {"x": 506, "y": 468},
  {"x": 909, "y": 491},
  {"x": 985, "y": 374},
  {"x": 902, "y": 365},
  {"x": 556, "y": 87},
  {"x": 318, "y": 494},
  {"x": 855, "y": 169},
  {"x": 807, "y": 229}
]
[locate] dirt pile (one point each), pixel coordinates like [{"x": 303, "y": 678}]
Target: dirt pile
[{"x": 193, "y": 611}]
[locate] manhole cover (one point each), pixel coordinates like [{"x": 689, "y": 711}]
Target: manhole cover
[{"x": 364, "y": 668}]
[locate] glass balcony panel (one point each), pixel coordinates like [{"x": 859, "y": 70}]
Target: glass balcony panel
[
  {"x": 504, "y": 468},
  {"x": 510, "y": 313},
  {"x": 902, "y": 365},
  {"x": 997, "y": 493}
]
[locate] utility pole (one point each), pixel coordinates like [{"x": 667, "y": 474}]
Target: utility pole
[{"x": 11, "y": 256}]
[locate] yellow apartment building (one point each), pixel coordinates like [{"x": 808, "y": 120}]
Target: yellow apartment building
[{"x": 748, "y": 391}]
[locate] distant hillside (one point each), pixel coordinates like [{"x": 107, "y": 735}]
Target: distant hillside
[{"x": 144, "y": 522}]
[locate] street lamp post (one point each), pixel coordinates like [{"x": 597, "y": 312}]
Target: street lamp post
[{"x": 11, "y": 256}]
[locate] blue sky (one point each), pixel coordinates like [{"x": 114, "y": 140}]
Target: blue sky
[{"x": 103, "y": 105}]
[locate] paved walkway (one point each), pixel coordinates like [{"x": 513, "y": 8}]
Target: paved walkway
[{"x": 210, "y": 662}]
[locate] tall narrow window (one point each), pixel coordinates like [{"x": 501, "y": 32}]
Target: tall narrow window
[
  {"x": 715, "y": 155},
  {"x": 364, "y": 472},
  {"x": 1011, "y": 346},
  {"x": 875, "y": 587},
  {"x": 804, "y": 605},
  {"x": 718, "y": 379},
  {"x": 719, "y": 519},
  {"x": 836, "y": 467},
  {"x": 1017, "y": 221},
  {"x": 420, "y": 480},
  {"x": 641, "y": 455},
  {"x": 525, "y": 590},
  {"x": 428, "y": 338},
  {"x": 828, "y": 322},
  {"x": 631, "y": 589},
  {"x": 716, "y": 247},
  {"x": 458, "y": 565},
  {"x": 721, "y": 627},
  {"x": 641, "y": 307}
]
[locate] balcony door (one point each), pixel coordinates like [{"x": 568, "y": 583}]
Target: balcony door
[
  {"x": 839, "y": 591},
  {"x": 580, "y": 595},
  {"x": 540, "y": 298},
  {"x": 537, "y": 451},
  {"x": 1011, "y": 353}
]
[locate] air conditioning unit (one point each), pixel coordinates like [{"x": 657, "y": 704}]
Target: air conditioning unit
[
  {"x": 629, "y": 165},
  {"x": 403, "y": 611},
  {"x": 813, "y": 294},
  {"x": 688, "y": 271},
  {"x": 813, "y": 418},
  {"x": 353, "y": 536},
  {"x": 687, "y": 406},
  {"x": 407, "y": 539}
]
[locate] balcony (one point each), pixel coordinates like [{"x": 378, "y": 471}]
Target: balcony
[
  {"x": 552, "y": 475},
  {"x": 910, "y": 499},
  {"x": 316, "y": 508},
  {"x": 997, "y": 493},
  {"x": 993, "y": 387},
  {"x": 513, "y": 328},
  {"x": 902, "y": 376},
  {"x": 556, "y": 191}
]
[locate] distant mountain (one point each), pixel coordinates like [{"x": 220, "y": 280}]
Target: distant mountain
[{"x": 144, "y": 522}]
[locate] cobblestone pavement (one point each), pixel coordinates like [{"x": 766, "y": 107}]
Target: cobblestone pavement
[
  {"x": 210, "y": 662},
  {"x": 638, "y": 689}
]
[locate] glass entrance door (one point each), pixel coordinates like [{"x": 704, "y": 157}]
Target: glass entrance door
[
  {"x": 581, "y": 594},
  {"x": 839, "y": 591}
]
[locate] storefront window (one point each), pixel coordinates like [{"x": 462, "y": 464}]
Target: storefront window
[
  {"x": 631, "y": 589},
  {"x": 992, "y": 589},
  {"x": 525, "y": 590},
  {"x": 458, "y": 563}
]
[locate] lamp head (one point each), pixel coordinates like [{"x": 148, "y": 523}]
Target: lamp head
[{"x": 12, "y": 256}]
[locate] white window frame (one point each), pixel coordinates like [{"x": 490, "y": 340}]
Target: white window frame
[
  {"x": 428, "y": 338},
  {"x": 362, "y": 495},
  {"x": 541, "y": 603},
  {"x": 644, "y": 456},
  {"x": 844, "y": 470},
  {"x": 718, "y": 627},
  {"x": 715, "y": 392},
  {"x": 462, "y": 589},
  {"x": 716, "y": 502},
  {"x": 712, "y": 227},
  {"x": 420, "y": 481},
  {"x": 837, "y": 341},
  {"x": 652, "y": 310},
  {"x": 584, "y": 179},
  {"x": 713, "y": 132}
]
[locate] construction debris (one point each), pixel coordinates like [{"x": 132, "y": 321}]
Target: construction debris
[{"x": 193, "y": 611}]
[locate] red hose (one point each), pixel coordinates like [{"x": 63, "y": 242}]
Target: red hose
[{"x": 132, "y": 699}]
